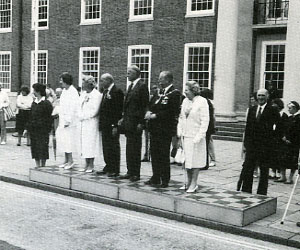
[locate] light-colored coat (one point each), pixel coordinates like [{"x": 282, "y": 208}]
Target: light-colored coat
[
  {"x": 68, "y": 137},
  {"x": 89, "y": 124},
  {"x": 192, "y": 127}
]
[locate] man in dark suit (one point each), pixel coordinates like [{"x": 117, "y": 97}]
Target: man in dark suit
[
  {"x": 135, "y": 106},
  {"x": 110, "y": 113},
  {"x": 163, "y": 116},
  {"x": 259, "y": 143}
]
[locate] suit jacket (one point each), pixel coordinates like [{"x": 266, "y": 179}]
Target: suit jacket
[
  {"x": 259, "y": 133},
  {"x": 167, "y": 109},
  {"x": 111, "y": 109},
  {"x": 135, "y": 106}
]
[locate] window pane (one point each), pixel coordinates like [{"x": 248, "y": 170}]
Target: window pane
[
  {"x": 92, "y": 9},
  {"x": 142, "y": 7},
  {"x": 5, "y": 14},
  {"x": 90, "y": 64},
  {"x": 5, "y": 74}
]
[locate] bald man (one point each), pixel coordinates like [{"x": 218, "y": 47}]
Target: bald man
[{"x": 259, "y": 143}]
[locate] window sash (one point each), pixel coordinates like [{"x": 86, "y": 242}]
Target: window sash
[
  {"x": 42, "y": 66},
  {"x": 89, "y": 63},
  {"x": 5, "y": 15},
  {"x": 200, "y": 7},
  {"x": 5, "y": 70},
  {"x": 141, "y": 10},
  {"x": 197, "y": 63},
  {"x": 43, "y": 14},
  {"x": 140, "y": 55},
  {"x": 91, "y": 11}
]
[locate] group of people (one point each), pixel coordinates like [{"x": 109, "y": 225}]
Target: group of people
[{"x": 271, "y": 141}]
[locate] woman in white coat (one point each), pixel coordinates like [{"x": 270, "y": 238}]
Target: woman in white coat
[
  {"x": 90, "y": 101},
  {"x": 192, "y": 127},
  {"x": 67, "y": 133}
]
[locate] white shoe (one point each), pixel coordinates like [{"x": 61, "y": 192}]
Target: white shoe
[
  {"x": 3, "y": 143},
  {"x": 63, "y": 165},
  {"x": 183, "y": 187},
  {"x": 89, "y": 170},
  {"x": 172, "y": 160},
  {"x": 82, "y": 170},
  {"x": 192, "y": 190},
  {"x": 212, "y": 164},
  {"x": 67, "y": 167}
]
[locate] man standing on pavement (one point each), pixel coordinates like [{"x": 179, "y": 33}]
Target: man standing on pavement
[
  {"x": 135, "y": 106},
  {"x": 110, "y": 113},
  {"x": 259, "y": 143},
  {"x": 162, "y": 116}
]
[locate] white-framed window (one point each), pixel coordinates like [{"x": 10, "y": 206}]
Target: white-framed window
[
  {"x": 42, "y": 67},
  {"x": 197, "y": 63},
  {"x": 277, "y": 10},
  {"x": 89, "y": 63},
  {"x": 140, "y": 55},
  {"x": 43, "y": 14},
  {"x": 91, "y": 12},
  {"x": 272, "y": 64},
  {"x": 5, "y": 16},
  {"x": 5, "y": 70},
  {"x": 196, "y": 8},
  {"x": 141, "y": 10}
]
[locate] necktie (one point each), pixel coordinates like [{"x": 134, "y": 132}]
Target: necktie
[
  {"x": 103, "y": 97},
  {"x": 258, "y": 113},
  {"x": 130, "y": 87}
]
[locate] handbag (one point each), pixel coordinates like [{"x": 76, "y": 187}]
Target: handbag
[
  {"x": 180, "y": 157},
  {"x": 8, "y": 113}
]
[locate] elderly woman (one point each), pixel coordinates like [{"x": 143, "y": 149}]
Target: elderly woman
[
  {"x": 192, "y": 128},
  {"x": 39, "y": 125},
  {"x": 292, "y": 142},
  {"x": 90, "y": 100},
  {"x": 24, "y": 102},
  {"x": 67, "y": 132}
]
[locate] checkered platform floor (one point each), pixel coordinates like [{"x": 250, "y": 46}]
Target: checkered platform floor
[{"x": 213, "y": 196}]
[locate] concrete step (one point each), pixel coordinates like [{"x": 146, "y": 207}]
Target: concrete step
[
  {"x": 231, "y": 124},
  {"x": 231, "y": 129},
  {"x": 227, "y": 138},
  {"x": 229, "y": 133},
  {"x": 209, "y": 203}
]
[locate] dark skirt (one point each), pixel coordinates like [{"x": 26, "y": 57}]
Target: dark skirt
[
  {"x": 291, "y": 158},
  {"x": 22, "y": 120},
  {"x": 39, "y": 145}
]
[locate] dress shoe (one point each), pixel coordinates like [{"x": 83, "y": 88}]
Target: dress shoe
[
  {"x": 212, "y": 164},
  {"x": 280, "y": 180},
  {"x": 63, "y": 165},
  {"x": 298, "y": 224},
  {"x": 112, "y": 175},
  {"x": 101, "y": 172},
  {"x": 164, "y": 185},
  {"x": 69, "y": 166},
  {"x": 205, "y": 168},
  {"x": 82, "y": 170},
  {"x": 183, "y": 187},
  {"x": 125, "y": 176},
  {"x": 89, "y": 170},
  {"x": 150, "y": 182},
  {"x": 194, "y": 190},
  {"x": 289, "y": 182},
  {"x": 134, "y": 178}
]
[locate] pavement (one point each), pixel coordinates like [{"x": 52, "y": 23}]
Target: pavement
[{"x": 16, "y": 161}]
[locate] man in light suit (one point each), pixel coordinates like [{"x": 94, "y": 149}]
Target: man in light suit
[
  {"x": 163, "y": 115},
  {"x": 259, "y": 143},
  {"x": 135, "y": 106},
  {"x": 110, "y": 113}
]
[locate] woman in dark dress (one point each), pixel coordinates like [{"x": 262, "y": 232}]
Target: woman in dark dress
[
  {"x": 280, "y": 146},
  {"x": 292, "y": 142},
  {"x": 40, "y": 125}
]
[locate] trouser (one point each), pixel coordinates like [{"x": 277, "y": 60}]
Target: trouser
[
  {"x": 3, "y": 126},
  {"x": 111, "y": 151},
  {"x": 211, "y": 149},
  {"x": 133, "y": 154},
  {"x": 174, "y": 146},
  {"x": 160, "y": 155},
  {"x": 246, "y": 177}
]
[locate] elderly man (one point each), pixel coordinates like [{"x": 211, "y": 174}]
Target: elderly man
[
  {"x": 134, "y": 110},
  {"x": 163, "y": 116},
  {"x": 259, "y": 143},
  {"x": 111, "y": 108}
]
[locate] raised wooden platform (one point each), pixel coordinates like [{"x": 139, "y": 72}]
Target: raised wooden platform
[{"x": 219, "y": 205}]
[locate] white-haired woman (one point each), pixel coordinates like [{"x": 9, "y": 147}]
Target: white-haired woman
[
  {"x": 192, "y": 127},
  {"x": 90, "y": 101}
]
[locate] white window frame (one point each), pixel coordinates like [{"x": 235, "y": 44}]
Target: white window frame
[
  {"x": 187, "y": 46},
  {"x": 32, "y": 17},
  {"x": 81, "y": 50},
  {"x": 84, "y": 21},
  {"x": 199, "y": 13},
  {"x": 263, "y": 60},
  {"x": 129, "y": 63},
  {"x": 133, "y": 18},
  {"x": 7, "y": 53},
  {"x": 6, "y": 30},
  {"x": 32, "y": 66},
  {"x": 283, "y": 15}
]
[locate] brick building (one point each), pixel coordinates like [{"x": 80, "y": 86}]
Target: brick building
[{"x": 230, "y": 46}]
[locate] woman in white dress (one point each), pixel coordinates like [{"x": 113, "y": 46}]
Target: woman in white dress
[
  {"x": 90, "y": 101},
  {"x": 192, "y": 127},
  {"x": 67, "y": 133}
]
